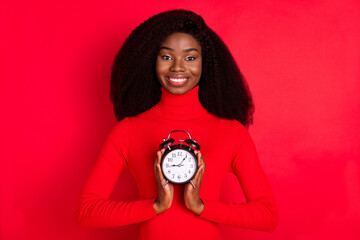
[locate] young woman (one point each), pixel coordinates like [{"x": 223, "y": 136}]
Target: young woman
[{"x": 173, "y": 72}]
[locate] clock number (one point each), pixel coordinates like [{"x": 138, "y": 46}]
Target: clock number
[
  {"x": 191, "y": 165},
  {"x": 169, "y": 171},
  {"x": 179, "y": 177},
  {"x": 179, "y": 153},
  {"x": 167, "y": 165},
  {"x": 189, "y": 171},
  {"x": 173, "y": 175},
  {"x": 185, "y": 176},
  {"x": 174, "y": 155},
  {"x": 170, "y": 159}
]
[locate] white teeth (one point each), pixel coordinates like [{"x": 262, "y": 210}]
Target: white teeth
[{"x": 178, "y": 79}]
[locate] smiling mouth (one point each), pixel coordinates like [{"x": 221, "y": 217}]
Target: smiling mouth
[{"x": 177, "y": 81}]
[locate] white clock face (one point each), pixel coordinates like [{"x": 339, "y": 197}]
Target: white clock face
[{"x": 179, "y": 166}]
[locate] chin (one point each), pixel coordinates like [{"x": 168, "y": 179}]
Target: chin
[{"x": 177, "y": 90}]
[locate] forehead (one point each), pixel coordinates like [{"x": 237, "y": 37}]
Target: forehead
[{"x": 181, "y": 41}]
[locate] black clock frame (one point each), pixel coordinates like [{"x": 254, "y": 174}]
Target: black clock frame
[
  {"x": 188, "y": 148},
  {"x": 184, "y": 148}
]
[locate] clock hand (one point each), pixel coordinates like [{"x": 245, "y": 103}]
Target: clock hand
[
  {"x": 180, "y": 164},
  {"x": 183, "y": 159},
  {"x": 177, "y": 165}
]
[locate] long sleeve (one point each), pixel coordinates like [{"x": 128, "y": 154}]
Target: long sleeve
[
  {"x": 260, "y": 211},
  {"x": 94, "y": 209}
]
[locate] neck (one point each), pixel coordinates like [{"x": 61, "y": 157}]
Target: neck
[{"x": 180, "y": 107}]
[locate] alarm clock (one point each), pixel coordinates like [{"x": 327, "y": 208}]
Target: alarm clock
[{"x": 179, "y": 162}]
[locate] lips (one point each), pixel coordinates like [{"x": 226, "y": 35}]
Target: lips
[{"x": 177, "y": 80}]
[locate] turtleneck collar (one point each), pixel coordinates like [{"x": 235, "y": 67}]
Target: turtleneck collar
[{"x": 180, "y": 107}]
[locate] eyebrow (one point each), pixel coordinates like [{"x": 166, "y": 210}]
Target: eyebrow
[{"x": 185, "y": 50}]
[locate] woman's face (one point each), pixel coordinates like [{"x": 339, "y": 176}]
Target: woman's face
[{"x": 178, "y": 64}]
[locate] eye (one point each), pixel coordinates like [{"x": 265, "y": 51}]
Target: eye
[
  {"x": 166, "y": 57},
  {"x": 190, "y": 58}
]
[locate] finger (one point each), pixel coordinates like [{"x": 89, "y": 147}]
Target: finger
[
  {"x": 202, "y": 163},
  {"x": 198, "y": 175},
  {"x": 161, "y": 176},
  {"x": 158, "y": 157},
  {"x": 157, "y": 173},
  {"x": 199, "y": 158},
  {"x": 201, "y": 175},
  {"x": 158, "y": 166},
  {"x": 156, "y": 160},
  {"x": 156, "y": 163}
]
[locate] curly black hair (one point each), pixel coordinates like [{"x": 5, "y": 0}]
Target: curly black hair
[{"x": 223, "y": 90}]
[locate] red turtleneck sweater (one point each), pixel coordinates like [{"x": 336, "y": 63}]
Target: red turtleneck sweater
[{"x": 226, "y": 146}]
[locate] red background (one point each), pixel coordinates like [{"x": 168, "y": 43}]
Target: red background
[{"x": 301, "y": 59}]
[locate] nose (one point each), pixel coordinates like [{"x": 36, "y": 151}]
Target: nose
[{"x": 177, "y": 66}]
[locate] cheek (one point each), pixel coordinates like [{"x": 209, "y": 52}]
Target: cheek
[
  {"x": 160, "y": 68},
  {"x": 196, "y": 70}
]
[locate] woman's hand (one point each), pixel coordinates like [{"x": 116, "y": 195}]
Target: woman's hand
[
  {"x": 191, "y": 194},
  {"x": 166, "y": 194}
]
